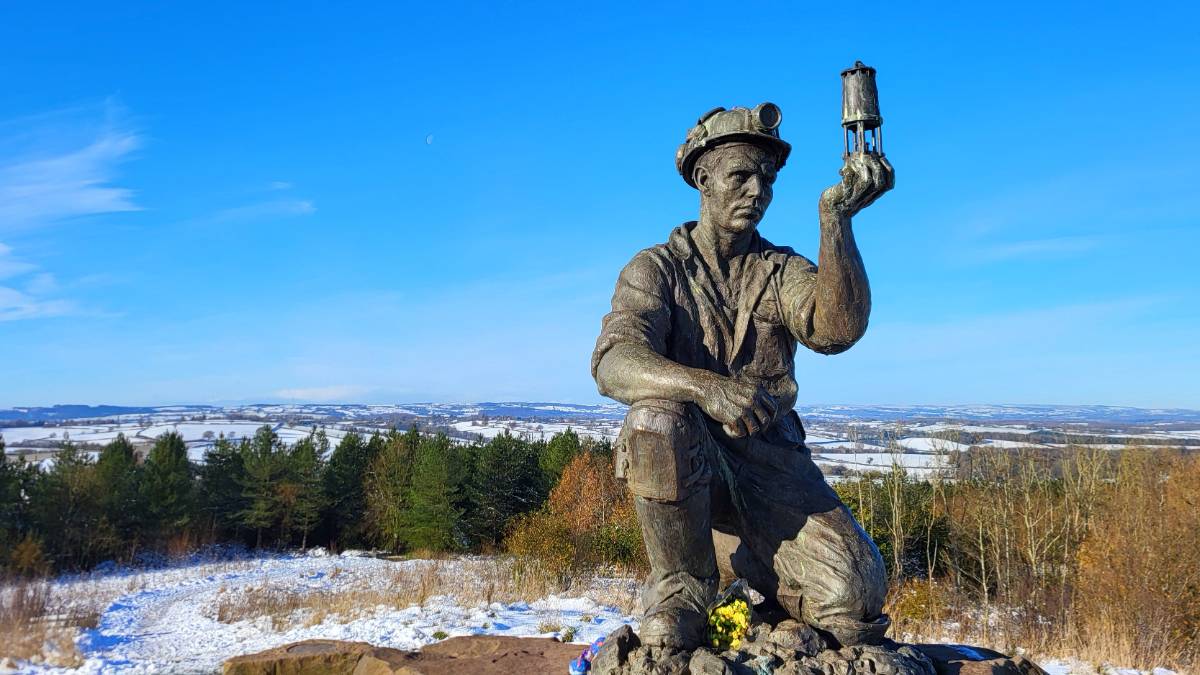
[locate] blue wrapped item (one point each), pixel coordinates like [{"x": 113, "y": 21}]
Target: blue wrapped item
[{"x": 583, "y": 664}]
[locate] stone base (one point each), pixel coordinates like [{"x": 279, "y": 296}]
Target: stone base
[{"x": 791, "y": 648}]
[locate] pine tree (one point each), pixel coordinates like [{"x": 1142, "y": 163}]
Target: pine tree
[
  {"x": 16, "y": 480},
  {"x": 264, "y": 458},
  {"x": 119, "y": 475},
  {"x": 557, "y": 454},
  {"x": 431, "y": 520},
  {"x": 387, "y": 489},
  {"x": 67, "y": 511},
  {"x": 221, "y": 485},
  {"x": 305, "y": 469},
  {"x": 344, "y": 486},
  {"x": 167, "y": 487},
  {"x": 507, "y": 482}
]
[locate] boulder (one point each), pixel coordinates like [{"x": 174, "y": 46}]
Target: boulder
[
  {"x": 476, "y": 654},
  {"x": 310, "y": 657}
]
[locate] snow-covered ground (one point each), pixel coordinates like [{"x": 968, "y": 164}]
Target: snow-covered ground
[
  {"x": 190, "y": 618},
  {"x": 168, "y": 621}
]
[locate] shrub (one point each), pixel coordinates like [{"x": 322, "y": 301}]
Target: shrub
[
  {"x": 28, "y": 558},
  {"x": 1138, "y": 581},
  {"x": 589, "y": 520}
]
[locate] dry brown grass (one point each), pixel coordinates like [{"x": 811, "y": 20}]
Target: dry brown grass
[
  {"x": 1138, "y": 591},
  {"x": 33, "y": 629},
  {"x": 471, "y": 582},
  {"x": 1095, "y": 562}
]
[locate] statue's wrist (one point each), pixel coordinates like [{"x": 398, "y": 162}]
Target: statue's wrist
[
  {"x": 699, "y": 386},
  {"x": 834, "y": 218}
]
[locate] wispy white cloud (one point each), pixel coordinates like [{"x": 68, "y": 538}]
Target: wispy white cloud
[
  {"x": 12, "y": 267},
  {"x": 42, "y": 184},
  {"x": 53, "y": 167},
  {"x": 278, "y": 208},
  {"x": 36, "y": 300},
  {"x": 337, "y": 392},
  {"x": 42, "y": 283},
  {"x": 1036, "y": 248},
  {"x": 16, "y": 305},
  {"x": 280, "y": 185},
  {"x": 980, "y": 337}
]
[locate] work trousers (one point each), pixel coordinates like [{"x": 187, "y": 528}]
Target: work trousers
[{"x": 757, "y": 508}]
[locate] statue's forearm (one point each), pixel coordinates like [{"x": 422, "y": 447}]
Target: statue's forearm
[
  {"x": 842, "y": 302},
  {"x": 632, "y": 372}
]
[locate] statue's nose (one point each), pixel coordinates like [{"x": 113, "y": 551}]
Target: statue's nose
[{"x": 754, "y": 186}]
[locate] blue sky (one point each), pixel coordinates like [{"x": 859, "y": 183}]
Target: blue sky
[{"x": 206, "y": 202}]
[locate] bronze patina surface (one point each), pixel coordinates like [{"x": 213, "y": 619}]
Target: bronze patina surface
[{"x": 701, "y": 343}]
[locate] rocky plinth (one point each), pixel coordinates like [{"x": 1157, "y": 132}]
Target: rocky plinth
[
  {"x": 496, "y": 655},
  {"x": 792, "y": 648}
]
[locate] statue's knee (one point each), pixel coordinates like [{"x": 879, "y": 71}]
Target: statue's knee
[
  {"x": 659, "y": 452},
  {"x": 668, "y": 420},
  {"x": 845, "y": 594}
]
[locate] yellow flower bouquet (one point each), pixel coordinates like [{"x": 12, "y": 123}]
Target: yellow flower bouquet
[{"x": 729, "y": 617}]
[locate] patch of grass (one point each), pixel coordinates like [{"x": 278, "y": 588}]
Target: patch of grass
[
  {"x": 440, "y": 635},
  {"x": 470, "y": 582},
  {"x": 33, "y": 629}
]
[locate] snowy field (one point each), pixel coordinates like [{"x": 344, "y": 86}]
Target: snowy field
[
  {"x": 190, "y": 618},
  {"x": 538, "y": 430},
  {"x": 838, "y": 435},
  {"x": 198, "y": 435},
  {"x": 915, "y": 464}
]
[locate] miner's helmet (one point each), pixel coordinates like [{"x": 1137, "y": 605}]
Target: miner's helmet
[{"x": 719, "y": 126}]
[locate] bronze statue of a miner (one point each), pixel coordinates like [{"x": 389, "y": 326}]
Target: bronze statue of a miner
[{"x": 701, "y": 343}]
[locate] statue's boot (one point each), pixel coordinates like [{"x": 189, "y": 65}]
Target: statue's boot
[{"x": 683, "y": 571}]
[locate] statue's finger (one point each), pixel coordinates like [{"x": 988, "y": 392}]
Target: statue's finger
[
  {"x": 736, "y": 430},
  {"x": 873, "y": 173},
  {"x": 889, "y": 172},
  {"x": 771, "y": 404},
  {"x": 750, "y": 423},
  {"x": 762, "y": 416}
]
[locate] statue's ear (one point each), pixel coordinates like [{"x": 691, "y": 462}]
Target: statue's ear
[{"x": 701, "y": 176}]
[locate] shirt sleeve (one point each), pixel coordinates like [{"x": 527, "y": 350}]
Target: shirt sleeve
[
  {"x": 798, "y": 283},
  {"x": 641, "y": 310},
  {"x": 799, "y": 302}
]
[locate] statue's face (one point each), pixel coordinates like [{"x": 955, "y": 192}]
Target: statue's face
[{"x": 735, "y": 181}]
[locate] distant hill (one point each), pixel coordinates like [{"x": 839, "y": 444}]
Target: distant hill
[
  {"x": 615, "y": 411},
  {"x": 69, "y": 412}
]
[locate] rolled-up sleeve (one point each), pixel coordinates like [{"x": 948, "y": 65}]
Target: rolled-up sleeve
[
  {"x": 799, "y": 299},
  {"x": 641, "y": 310},
  {"x": 799, "y": 295}
]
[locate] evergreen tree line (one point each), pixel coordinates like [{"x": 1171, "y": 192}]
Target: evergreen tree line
[{"x": 397, "y": 491}]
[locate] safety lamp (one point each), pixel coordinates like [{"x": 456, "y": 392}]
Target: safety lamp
[{"x": 861, "y": 122}]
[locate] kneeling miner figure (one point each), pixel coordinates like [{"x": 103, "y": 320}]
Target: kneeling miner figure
[{"x": 701, "y": 343}]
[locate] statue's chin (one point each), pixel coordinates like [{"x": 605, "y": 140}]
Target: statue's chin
[{"x": 740, "y": 225}]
